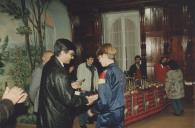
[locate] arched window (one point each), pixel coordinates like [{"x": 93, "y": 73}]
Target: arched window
[{"x": 122, "y": 30}]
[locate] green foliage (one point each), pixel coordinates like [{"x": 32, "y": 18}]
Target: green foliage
[
  {"x": 10, "y": 7},
  {"x": 3, "y": 54},
  {"x": 36, "y": 54},
  {"x": 29, "y": 117},
  {"x": 20, "y": 71},
  {"x": 19, "y": 10},
  {"x": 24, "y": 59},
  {"x": 24, "y": 30},
  {"x": 5, "y": 44}
]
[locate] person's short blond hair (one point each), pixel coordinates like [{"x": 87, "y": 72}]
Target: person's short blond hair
[{"x": 107, "y": 49}]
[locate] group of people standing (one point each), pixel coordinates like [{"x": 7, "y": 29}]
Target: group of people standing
[
  {"x": 167, "y": 72},
  {"x": 60, "y": 98}
]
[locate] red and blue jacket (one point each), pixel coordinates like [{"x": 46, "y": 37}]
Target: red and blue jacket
[{"x": 110, "y": 105}]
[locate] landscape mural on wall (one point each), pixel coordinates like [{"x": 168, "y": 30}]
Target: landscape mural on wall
[
  {"x": 25, "y": 33},
  {"x": 9, "y": 40}
]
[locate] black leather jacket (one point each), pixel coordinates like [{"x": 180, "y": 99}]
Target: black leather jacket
[
  {"x": 110, "y": 104},
  {"x": 57, "y": 101}
]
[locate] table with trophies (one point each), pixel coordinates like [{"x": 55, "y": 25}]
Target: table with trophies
[{"x": 142, "y": 99}]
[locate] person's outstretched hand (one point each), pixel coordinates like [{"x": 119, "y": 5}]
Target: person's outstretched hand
[
  {"x": 89, "y": 113},
  {"x": 76, "y": 85},
  {"x": 91, "y": 99},
  {"x": 15, "y": 94}
]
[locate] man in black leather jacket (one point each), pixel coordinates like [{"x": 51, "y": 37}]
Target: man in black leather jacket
[{"x": 58, "y": 100}]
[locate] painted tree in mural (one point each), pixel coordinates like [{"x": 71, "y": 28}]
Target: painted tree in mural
[
  {"x": 3, "y": 53},
  {"x": 36, "y": 18},
  {"x": 33, "y": 14}
]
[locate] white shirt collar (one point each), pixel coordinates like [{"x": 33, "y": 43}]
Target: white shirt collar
[{"x": 60, "y": 62}]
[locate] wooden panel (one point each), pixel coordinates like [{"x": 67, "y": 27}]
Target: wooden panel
[
  {"x": 192, "y": 59},
  {"x": 177, "y": 21},
  {"x": 143, "y": 103},
  {"x": 154, "y": 50},
  {"x": 177, "y": 52}
]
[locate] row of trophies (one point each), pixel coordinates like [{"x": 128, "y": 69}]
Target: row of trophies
[{"x": 135, "y": 84}]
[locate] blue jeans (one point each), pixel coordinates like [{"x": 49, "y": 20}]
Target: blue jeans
[{"x": 177, "y": 106}]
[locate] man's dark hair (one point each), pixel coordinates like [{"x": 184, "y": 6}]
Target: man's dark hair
[
  {"x": 89, "y": 56},
  {"x": 137, "y": 56},
  {"x": 63, "y": 44},
  {"x": 173, "y": 65},
  {"x": 161, "y": 58}
]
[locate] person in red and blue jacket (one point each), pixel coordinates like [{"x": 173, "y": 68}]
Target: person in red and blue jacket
[{"x": 111, "y": 84}]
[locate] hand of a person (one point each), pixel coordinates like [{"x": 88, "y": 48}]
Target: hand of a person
[
  {"x": 89, "y": 113},
  {"x": 14, "y": 94},
  {"x": 23, "y": 98},
  {"x": 76, "y": 85},
  {"x": 91, "y": 99},
  {"x": 5, "y": 92}
]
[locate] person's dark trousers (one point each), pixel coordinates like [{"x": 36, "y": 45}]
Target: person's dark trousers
[
  {"x": 114, "y": 119},
  {"x": 83, "y": 117},
  {"x": 177, "y": 106}
]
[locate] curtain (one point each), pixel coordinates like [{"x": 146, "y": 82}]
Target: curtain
[{"x": 122, "y": 30}]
